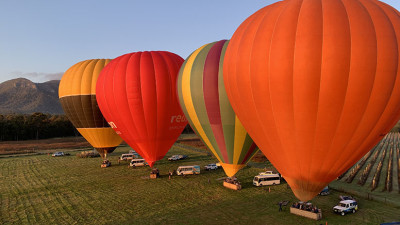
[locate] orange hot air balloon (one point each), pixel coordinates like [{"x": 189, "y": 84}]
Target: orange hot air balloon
[
  {"x": 77, "y": 92},
  {"x": 316, "y": 84},
  {"x": 137, "y": 95}
]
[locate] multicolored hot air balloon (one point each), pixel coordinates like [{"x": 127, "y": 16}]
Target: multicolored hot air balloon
[
  {"x": 203, "y": 99},
  {"x": 77, "y": 93},
  {"x": 136, "y": 93},
  {"x": 316, "y": 84}
]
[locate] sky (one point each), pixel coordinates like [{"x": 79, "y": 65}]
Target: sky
[{"x": 41, "y": 39}]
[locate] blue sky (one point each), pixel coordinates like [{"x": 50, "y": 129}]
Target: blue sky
[{"x": 41, "y": 39}]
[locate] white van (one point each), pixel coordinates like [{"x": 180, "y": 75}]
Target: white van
[
  {"x": 185, "y": 170},
  {"x": 138, "y": 162},
  {"x": 266, "y": 179},
  {"x": 126, "y": 157}
]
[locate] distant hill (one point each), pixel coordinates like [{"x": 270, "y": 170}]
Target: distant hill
[{"x": 22, "y": 96}]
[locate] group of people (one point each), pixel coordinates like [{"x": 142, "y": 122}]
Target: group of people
[
  {"x": 156, "y": 172},
  {"x": 305, "y": 206},
  {"x": 232, "y": 180},
  {"x": 105, "y": 163}
]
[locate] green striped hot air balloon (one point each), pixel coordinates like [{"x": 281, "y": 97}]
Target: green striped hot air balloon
[{"x": 206, "y": 106}]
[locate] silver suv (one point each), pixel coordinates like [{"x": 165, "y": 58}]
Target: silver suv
[
  {"x": 211, "y": 167},
  {"x": 346, "y": 206}
]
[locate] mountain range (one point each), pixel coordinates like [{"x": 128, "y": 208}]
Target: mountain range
[{"x": 22, "y": 96}]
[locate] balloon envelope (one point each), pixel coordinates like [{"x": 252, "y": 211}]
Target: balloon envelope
[
  {"x": 203, "y": 99},
  {"x": 136, "y": 93},
  {"x": 77, "y": 93},
  {"x": 316, "y": 84}
]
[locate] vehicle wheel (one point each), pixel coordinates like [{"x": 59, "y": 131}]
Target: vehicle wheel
[
  {"x": 354, "y": 211},
  {"x": 342, "y": 213}
]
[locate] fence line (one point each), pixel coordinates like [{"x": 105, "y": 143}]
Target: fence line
[{"x": 366, "y": 195}]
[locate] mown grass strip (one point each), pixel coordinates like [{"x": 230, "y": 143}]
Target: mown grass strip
[
  {"x": 388, "y": 180},
  {"x": 377, "y": 175}
]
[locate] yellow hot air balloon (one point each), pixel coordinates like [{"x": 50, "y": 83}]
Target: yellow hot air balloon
[
  {"x": 203, "y": 99},
  {"x": 77, "y": 93}
]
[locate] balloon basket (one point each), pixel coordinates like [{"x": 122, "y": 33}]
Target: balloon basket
[
  {"x": 232, "y": 183},
  {"x": 105, "y": 164},
  {"x": 155, "y": 173},
  {"x": 308, "y": 214}
]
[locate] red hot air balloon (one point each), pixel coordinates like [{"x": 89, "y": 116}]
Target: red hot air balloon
[
  {"x": 137, "y": 95},
  {"x": 316, "y": 84}
]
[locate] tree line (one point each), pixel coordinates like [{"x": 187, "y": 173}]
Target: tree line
[{"x": 15, "y": 127}]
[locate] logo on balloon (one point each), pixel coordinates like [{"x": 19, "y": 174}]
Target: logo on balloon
[
  {"x": 178, "y": 119},
  {"x": 112, "y": 125}
]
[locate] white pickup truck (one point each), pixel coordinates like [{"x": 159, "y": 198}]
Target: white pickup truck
[
  {"x": 211, "y": 166},
  {"x": 58, "y": 154}
]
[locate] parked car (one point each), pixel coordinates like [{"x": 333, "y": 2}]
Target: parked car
[
  {"x": 185, "y": 170},
  {"x": 266, "y": 173},
  {"x": 138, "y": 162},
  {"x": 343, "y": 197},
  {"x": 56, "y": 154},
  {"x": 346, "y": 206},
  {"x": 177, "y": 157},
  {"x": 324, "y": 191},
  {"x": 211, "y": 166},
  {"x": 132, "y": 151}
]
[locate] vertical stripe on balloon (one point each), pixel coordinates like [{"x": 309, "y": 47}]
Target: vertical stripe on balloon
[{"x": 205, "y": 103}]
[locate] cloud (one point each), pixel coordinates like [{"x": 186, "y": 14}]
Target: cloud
[{"x": 38, "y": 76}]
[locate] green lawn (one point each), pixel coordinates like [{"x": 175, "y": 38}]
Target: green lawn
[{"x": 40, "y": 189}]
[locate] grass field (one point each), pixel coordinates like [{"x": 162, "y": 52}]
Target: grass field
[{"x": 40, "y": 189}]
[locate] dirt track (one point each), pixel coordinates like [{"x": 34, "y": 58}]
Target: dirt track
[{"x": 33, "y": 146}]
